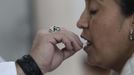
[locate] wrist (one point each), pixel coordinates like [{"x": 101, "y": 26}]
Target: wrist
[
  {"x": 43, "y": 68},
  {"x": 28, "y": 65},
  {"x": 19, "y": 70}
]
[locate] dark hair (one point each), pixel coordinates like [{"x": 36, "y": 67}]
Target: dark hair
[{"x": 127, "y": 7}]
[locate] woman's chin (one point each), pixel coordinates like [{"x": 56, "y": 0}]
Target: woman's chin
[{"x": 92, "y": 62}]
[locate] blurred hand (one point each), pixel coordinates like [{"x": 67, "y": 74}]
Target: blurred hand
[{"x": 45, "y": 52}]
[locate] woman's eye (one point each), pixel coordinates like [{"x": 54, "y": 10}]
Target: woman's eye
[{"x": 93, "y": 12}]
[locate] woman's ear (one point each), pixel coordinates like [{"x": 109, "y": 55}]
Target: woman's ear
[
  {"x": 131, "y": 30},
  {"x": 131, "y": 22}
]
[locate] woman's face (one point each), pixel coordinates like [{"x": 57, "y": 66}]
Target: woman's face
[{"x": 107, "y": 29}]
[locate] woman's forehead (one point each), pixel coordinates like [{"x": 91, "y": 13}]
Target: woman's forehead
[
  {"x": 95, "y": 0},
  {"x": 98, "y": 1},
  {"x": 102, "y": 2}
]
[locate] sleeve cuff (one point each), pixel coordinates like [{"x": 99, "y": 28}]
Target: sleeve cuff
[{"x": 8, "y": 68}]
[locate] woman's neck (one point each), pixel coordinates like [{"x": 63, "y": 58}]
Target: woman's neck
[{"x": 118, "y": 67}]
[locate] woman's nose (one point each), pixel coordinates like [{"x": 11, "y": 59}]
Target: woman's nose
[{"x": 83, "y": 21}]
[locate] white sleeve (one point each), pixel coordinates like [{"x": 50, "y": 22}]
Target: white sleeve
[{"x": 8, "y": 68}]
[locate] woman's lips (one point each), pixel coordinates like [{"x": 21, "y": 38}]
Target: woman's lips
[
  {"x": 86, "y": 47},
  {"x": 87, "y": 43}
]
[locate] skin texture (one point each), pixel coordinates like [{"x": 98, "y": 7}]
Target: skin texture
[
  {"x": 45, "y": 52},
  {"x": 104, "y": 25},
  {"x": 96, "y": 71},
  {"x": 107, "y": 28},
  {"x": 48, "y": 55}
]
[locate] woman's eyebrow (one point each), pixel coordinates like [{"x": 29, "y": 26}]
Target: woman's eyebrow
[
  {"x": 98, "y": 1},
  {"x": 87, "y": 0},
  {"x": 101, "y": 2}
]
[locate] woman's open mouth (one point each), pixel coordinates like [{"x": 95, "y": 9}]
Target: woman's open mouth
[{"x": 86, "y": 44}]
